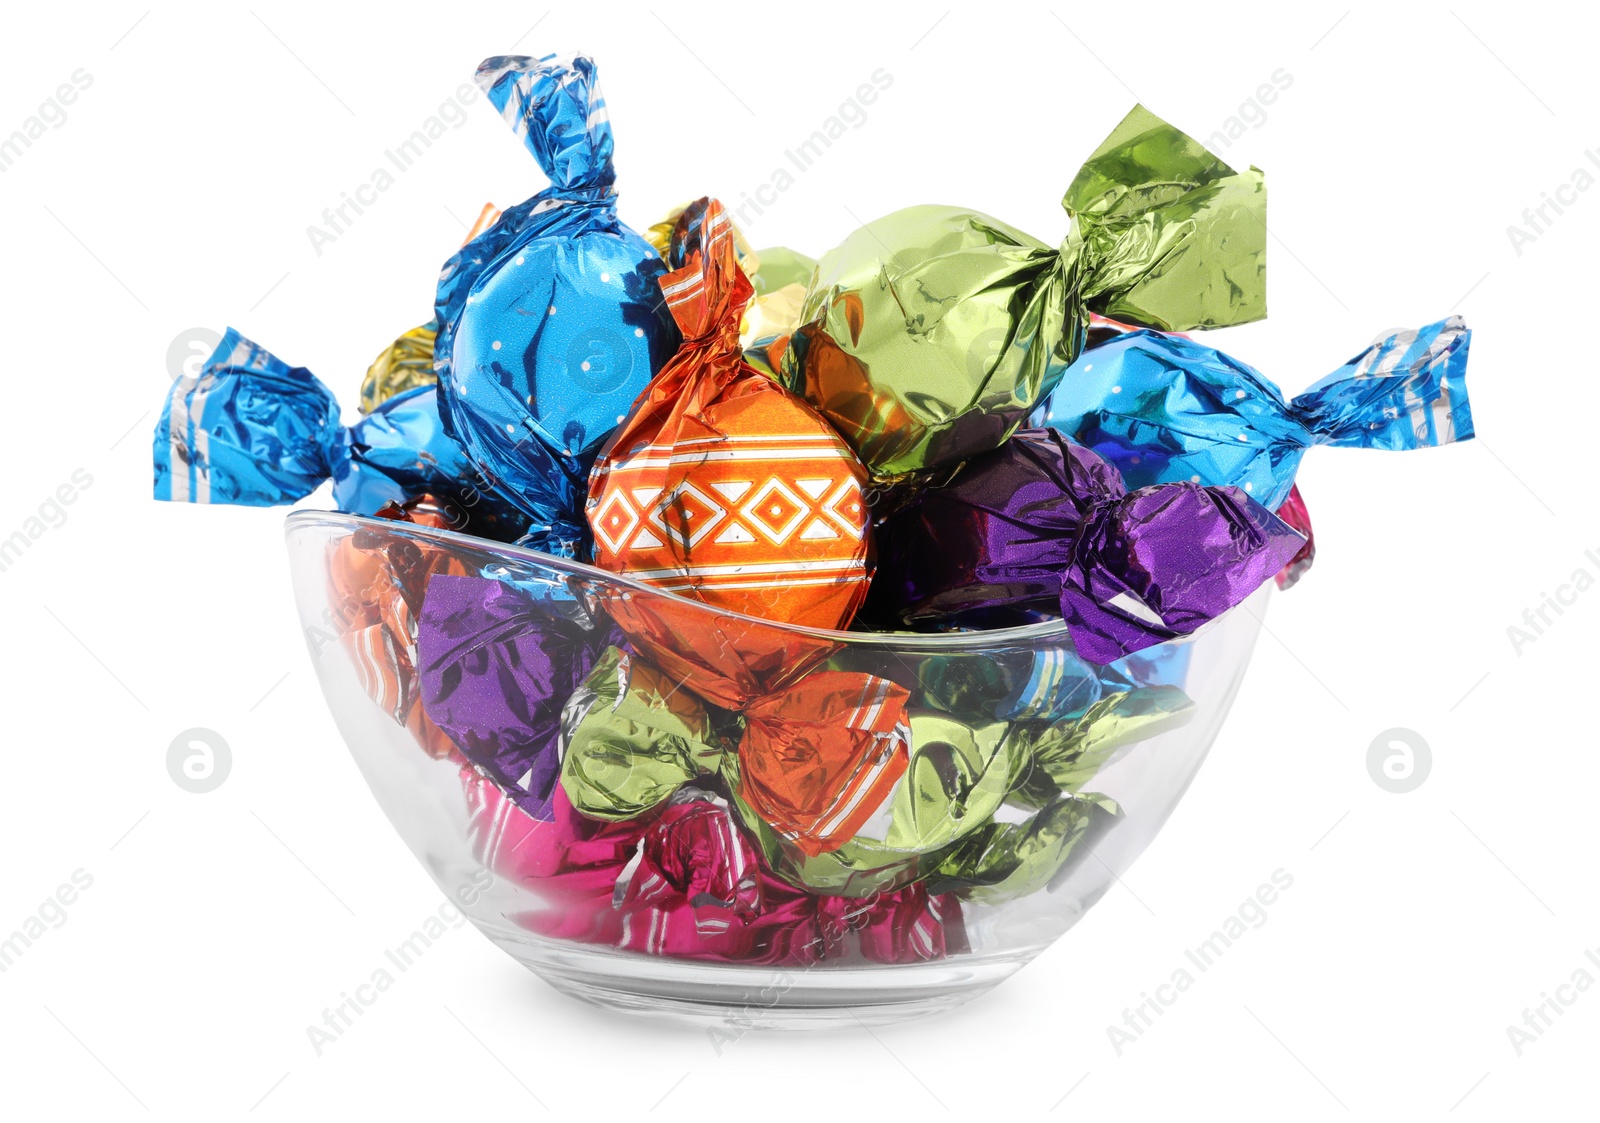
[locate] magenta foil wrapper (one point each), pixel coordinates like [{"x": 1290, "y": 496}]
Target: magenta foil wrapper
[
  {"x": 1294, "y": 512},
  {"x": 1043, "y": 523},
  {"x": 685, "y": 882}
]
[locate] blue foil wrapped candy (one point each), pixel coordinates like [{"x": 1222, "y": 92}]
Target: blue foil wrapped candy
[
  {"x": 1165, "y": 409},
  {"x": 251, "y": 430},
  {"x": 551, "y": 321}
]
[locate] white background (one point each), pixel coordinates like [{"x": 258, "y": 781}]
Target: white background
[{"x": 218, "y": 927}]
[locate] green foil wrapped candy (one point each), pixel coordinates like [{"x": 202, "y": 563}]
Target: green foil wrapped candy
[
  {"x": 631, "y": 737},
  {"x": 991, "y": 809},
  {"x": 859, "y": 868},
  {"x": 958, "y": 776},
  {"x": 929, "y": 335},
  {"x": 1071, "y": 753},
  {"x": 781, "y": 267},
  {"x": 1004, "y": 861},
  {"x": 956, "y": 779}
]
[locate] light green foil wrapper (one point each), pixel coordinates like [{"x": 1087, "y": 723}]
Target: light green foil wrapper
[
  {"x": 1072, "y": 753},
  {"x": 631, "y": 738},
  {"x": 957, "y": 778},
  {"x": 929, "y": 335},
  {"x": 1009, "y": 860},
  {"x": 781, "y": 266},
  {"x": 780, "y": 282},
  {"x": 958, "y": 775},
  {"x": 991, "y": 810}
]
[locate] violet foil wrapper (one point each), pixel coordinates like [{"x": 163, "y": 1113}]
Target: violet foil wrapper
[
  {"x": 1042, "y": 521},
  {"x": 497, "y": 667}
]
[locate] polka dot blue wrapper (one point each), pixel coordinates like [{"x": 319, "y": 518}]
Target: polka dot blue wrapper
[{"x": 551, "y": 321}]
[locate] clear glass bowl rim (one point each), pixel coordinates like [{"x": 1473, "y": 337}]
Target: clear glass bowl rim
[{"x": 1048, "y": 631}]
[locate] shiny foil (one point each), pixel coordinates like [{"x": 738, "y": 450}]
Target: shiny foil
[
  {"x": 779, "y": 268},
  {"x": 1024, "y": 683},
  {"x": 778, "y": 277},
  {"x": 811, "y": 834},
  {"x": 1004, "y": 861},
  {"x": 251, "y": 430},
  {"x": 813, "y": 759},
  {"x": 731, "y": 660},
  {"x": 684, "y": 882},
  {"x": 698, "y": 890},
  {"x": 1293, "y": 511},
  {"x": 497, "y": 668},
  {"x": 550, "y": 321},
  {"x": 378, "y": 584},
  {"x": 1045, "y": 521},
  {"x": 720, "y": 485},
  {"x": 1073, "y": 753},
  {"x": 403, "y": 365},
  {"x": 1165, "y": 409},
  {"x": 958, "y": 777},
  {"x": 570, "y": 861},
  {"x": 984, "y": 810},
  {"x": 631, "y": 737},
  {"x": 818, "y": 758},
  {"x": 408, "y": 362},
  {"x": 930, "y": 335}
]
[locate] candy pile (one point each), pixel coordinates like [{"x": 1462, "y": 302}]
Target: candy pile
[{"x": 943, "y": 424}]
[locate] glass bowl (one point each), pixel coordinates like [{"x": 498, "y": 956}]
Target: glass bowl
[{"x": 668, "y": 809}]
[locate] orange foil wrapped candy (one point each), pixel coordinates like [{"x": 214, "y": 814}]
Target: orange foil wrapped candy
[
  {"x": 378, "y": 585},
  {"x": 721, "y": 485},
  {"x": 819, "y": 759}
]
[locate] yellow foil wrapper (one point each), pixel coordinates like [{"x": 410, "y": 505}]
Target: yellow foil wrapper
[
  {"x": 403, "y": 365},
  {"x": 777, "y": 313}
]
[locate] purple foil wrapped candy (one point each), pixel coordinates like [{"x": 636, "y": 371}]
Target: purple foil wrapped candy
[
  {"x": 497, "y": 666},
  {"x": 1043, "y": 523}
]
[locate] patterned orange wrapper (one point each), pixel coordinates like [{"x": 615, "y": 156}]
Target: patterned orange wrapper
[
  {"x": 819, "y": 759},
  {"x": 721, "y": 485},
  {"x": 379, "y": 585},
  {"x": 730, "y": 661}
]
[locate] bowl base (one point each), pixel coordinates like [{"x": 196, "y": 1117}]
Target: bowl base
[{"x": 729, "y": 1000}]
